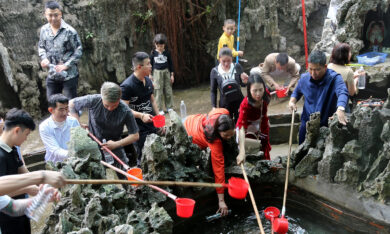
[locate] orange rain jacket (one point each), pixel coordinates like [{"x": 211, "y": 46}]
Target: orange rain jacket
[{"x": 195, "y": 125}]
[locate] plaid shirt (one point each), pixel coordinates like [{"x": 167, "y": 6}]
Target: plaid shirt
[{"x": 62, "y": 48}]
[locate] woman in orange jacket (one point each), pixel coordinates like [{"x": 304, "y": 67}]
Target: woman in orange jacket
[{"x": 210, "y": 130}]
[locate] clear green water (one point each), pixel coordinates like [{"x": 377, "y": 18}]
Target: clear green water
[{"x": 245, "y": 223}]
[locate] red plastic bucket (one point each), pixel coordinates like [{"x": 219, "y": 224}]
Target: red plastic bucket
[
  {"x": 237, "y": 188},
  {"x": 281, "y": 93},
  {"x": 271, "y": 212},
  {"x": 280, "y": 225},
  {"x": 184, "y": 207},
  {"x": 137, "y": 172},
  {"x": 159, "y": 121}
]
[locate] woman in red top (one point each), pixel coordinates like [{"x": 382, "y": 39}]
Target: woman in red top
[
  {"x": 209, "y": 131},
  {"x": 253, "y": 117}
]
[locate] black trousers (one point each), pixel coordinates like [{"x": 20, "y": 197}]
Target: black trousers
[{"x": 69, "y": 87}]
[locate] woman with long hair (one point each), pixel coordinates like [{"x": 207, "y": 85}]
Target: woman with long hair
[
  {"x": 253, "y": 121},
  {"x": 211, "y": 130},
  {"x": 341, "y": 55},
  {"x": 227, "y": 77}
]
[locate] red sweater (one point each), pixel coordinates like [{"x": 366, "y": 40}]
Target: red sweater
[
  {"x": 195, "y": 125},
  {"x": 250, "y": 115}
]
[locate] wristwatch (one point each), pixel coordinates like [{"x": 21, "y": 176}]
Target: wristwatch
[{"x": 341, "y": 108}]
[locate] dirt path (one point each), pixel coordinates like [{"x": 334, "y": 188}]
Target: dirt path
[{"x": 197, "y": 100}]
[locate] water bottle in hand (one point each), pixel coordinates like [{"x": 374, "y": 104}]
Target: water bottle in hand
[
  {"x": 52, "y": 69},
  {"x": 362, "y": 78},
  {"x": 183, "y": 110},
  {"x": 38, "y": 205},
  {"x": 216, "y": 216},
  {"x": 107, "y": 156}
]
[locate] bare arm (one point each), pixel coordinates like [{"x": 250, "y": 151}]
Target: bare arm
[
  {"x": 154, "y": 104},
  {"x": 73, "y": 111},
  {"x": 16, "y": 207},
  {"x": 13, "y": 185},
  {"x": 241, "y": 142}
]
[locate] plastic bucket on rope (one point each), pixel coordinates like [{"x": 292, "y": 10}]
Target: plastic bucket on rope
[
  {"x": 281, "y": 93},
  {"x": 184, "y": 207},
  {"x": 159, "y": 121},
  {"x": 136, "y": 172},
  {"x": 271, "y": 212},
  {"x": 280, "y": 225},
  {"x": 237, "y": 188}
]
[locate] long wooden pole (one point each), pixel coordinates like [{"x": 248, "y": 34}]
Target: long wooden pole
[
  {"x": 161, "y": 183},
  {"x": 253, "y": 200},
  {"x": 288, "y": 163}
]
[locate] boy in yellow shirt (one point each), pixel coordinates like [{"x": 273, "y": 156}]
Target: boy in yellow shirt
[{"x": 227, "y": 38}]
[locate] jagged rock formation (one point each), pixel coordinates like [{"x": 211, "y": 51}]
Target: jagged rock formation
[
  {"x": 101, "y": 208},
  {"x": 356, "y": 155},
  {"x": 348, "y": 23},
  {"x": 111, "y": 31}
]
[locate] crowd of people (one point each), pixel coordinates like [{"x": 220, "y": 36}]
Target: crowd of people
[{"x": 134, "y": 102}]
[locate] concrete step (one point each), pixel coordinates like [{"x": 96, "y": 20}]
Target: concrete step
[
  {"x": 36, "y": 166},
  {"x": 280, "y": 133},
  {"x": 283, "y": 118}
]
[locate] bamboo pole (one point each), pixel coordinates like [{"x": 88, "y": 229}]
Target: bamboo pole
[
  {"x": 161, "y": 183},
  {"x": 253, "y": 200},
  {"x": 288, "y": 164}
]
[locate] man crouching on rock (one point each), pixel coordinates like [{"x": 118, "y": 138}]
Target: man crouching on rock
[{"x": 107, "y": 115}]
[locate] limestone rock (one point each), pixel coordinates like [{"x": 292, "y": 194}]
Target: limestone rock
[
  {"x": 370, "y": 126},
  {"x": 352, "y": 150},
  {"x": 380, "y": 186},
  {"x": 350, "y": 29},
  {"x": 159, "y": 219},
  {"x": 349, "y": 174},
  {"x": 92, "y": 213},
  {"x": 121, "y": 229},
  {"x": 385, "y": 135},
  {"x": 308, "y": 165},
  {"x": 331, "y": 161},
  {"x": 82, "y": 231}
]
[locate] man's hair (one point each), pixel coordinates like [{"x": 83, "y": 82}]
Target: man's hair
[
  {"x": 229, "y": 21},
  {"x": 317, "y": 57},
  {"x": 340, "y": 54},
  {"x": 52, "y": 5},
  {"x": 282, "y": 59},
  {"x": 110, "y": 92},
  {"x": 160, "y": 39},
  {"x": 18, "y": 118},
  {"x": 57, "y": 98},
  {"x": 225, "y": 51},
  {"x": 138, "y": 59}
]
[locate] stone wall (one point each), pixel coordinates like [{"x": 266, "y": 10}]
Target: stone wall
[
  {"x": 348, "y": 25},
  {"x": 111, "y": 31},
  {"x": 355, "y": 156}
]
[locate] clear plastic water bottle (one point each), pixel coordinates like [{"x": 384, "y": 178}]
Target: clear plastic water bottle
[
  {"x": 216, "y": 216},
  {"x": 107, "y": 156},
  {"x": 52, "y": 71},
  {"x": 183, "y": 110},
  {"x": 38, "y": 205},
  {"x": 362, "y": 78}
]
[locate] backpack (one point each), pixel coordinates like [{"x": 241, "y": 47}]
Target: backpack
[{"x": 230, "y": 89}]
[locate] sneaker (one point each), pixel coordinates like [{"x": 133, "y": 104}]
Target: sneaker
[{"x": 161, "y": 113}]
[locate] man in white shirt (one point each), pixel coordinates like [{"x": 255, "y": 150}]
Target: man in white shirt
[{"x": 55, "y": 130}]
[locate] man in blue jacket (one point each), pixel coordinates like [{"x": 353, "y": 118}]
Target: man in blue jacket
[{"x": 324, "y": 91}]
